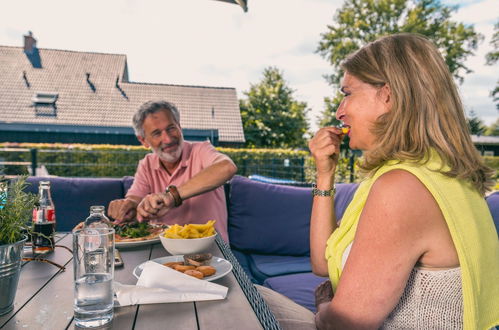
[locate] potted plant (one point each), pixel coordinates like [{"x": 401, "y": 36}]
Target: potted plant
[{"x": 16, "y": 207}]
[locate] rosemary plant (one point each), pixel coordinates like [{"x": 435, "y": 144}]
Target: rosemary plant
[{"x": 16, "y": 207}]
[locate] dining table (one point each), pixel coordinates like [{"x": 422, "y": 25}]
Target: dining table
[{"x": 45, "y": 295}]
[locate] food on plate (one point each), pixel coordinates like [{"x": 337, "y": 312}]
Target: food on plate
[
  {"x": 195, "y": 273},
  {"x": 200, "y": 259},
  {"x": 198, "y": 272},
  {"x": 191, "y": 230},
  {"x": 183, "y": 268},
  {"x": 133, "y": 231},
  {"x": 206, "y": 270},
  {"x": 173, "y": 264}
]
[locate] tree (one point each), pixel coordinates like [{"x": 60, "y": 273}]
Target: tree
[
  {"x": 492, "y": 58},
  {"x": 475, "y": 125},
  {"x": 493, "y": 129},
  {"x": 271, "y": 116},
  {"x": 362, "y": 21}
]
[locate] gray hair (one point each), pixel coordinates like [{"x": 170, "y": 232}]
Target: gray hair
[{"x": 149, "y": 108}]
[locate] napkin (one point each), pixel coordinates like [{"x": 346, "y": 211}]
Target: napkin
[{"x": 160, "y": 284}]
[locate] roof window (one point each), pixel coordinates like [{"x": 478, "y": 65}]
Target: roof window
[
  {"x": 45, "y": 98},
  {"x": 44, "y": 104}
]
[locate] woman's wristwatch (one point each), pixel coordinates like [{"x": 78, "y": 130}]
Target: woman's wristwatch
[{"x": 323, "y": 193}]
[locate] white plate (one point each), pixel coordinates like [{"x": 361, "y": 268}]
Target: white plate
[
  {"x": 137, "y": 243},
  {"x": 222, "y": 266}
]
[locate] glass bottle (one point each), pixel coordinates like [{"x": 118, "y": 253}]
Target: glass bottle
[
  {"x": 97, "y": 218},
  {"x": 44, "y": 221}
]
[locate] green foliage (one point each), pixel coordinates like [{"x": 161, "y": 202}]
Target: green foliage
[
  {"x": 271, "y": 116},
  {"x": 15, "y": 213},
  {"x": 492, "y": 58},
  {"x": 493, "y": 130},
  {"x": 475, "y": 125},
  {"x": 361, "y": 21}
]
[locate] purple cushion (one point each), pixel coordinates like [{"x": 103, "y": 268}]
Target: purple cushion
[
  {"x": 274, "y": 219},
  {"x": 268, "y": 218},
  {"x": 73, "y": 196},
  {"x": 127, "y": 183},
  {"x": 265, "y": 266},
  {"x": 493, "y": 202},
  {"x": 298, "y": 287}
]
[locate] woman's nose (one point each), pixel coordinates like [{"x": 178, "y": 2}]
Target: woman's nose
[{"x": 340, "y": 113}]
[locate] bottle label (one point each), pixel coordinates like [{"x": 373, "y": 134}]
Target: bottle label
[{"x": 43, "y": 215}]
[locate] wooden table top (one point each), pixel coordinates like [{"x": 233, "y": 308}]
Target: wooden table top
[{"x": 44, "y": 298}]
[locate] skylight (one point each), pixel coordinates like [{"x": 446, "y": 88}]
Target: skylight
[{"x": 45, "y": 98}]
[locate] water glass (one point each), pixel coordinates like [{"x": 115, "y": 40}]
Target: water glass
[{"x": 93, "y": 252}]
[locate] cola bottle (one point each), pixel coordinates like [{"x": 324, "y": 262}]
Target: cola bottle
[{"x": 44, "y": 221}]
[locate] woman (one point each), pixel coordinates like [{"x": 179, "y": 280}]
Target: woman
[{"x": 417, "y": 247}]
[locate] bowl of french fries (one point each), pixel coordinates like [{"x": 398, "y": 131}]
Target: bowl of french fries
[{"x": 188, "y": 239}]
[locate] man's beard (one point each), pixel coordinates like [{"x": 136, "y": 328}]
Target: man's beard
[{"x": 170, "y": 157}]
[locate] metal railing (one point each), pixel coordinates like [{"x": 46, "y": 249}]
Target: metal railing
[{"x": 119, "y": 163}]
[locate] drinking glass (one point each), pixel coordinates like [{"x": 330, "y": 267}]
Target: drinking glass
[{"x": 93, "y": 252}]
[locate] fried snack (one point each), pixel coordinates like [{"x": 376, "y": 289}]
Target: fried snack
[
  {"x": 183, "y": 268},
  {"x": 206, "y": 270},
  {"x": 190, "y": 230},
  {"x": 202, "y": 259},
  {"x": 194, "y": 273},
  {"x": 173, "y": 264}
]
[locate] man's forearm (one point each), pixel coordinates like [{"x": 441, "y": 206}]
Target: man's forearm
[{"x": 208, "y": 179}]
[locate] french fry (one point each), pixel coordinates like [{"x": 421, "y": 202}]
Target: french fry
[{"x": 191, "y": 230}]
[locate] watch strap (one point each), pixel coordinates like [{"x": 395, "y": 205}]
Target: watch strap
[{"x": 177, "y": 200}]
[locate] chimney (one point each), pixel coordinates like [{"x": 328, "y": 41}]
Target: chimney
[{"x": 29, "y": 43}]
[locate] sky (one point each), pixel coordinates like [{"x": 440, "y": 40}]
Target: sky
[{"x": 212, "y": 43}]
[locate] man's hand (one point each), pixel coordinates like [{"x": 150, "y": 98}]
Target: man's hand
[
  {"x": 155, "y": 206},
  {"x": 122, "y": 210}
]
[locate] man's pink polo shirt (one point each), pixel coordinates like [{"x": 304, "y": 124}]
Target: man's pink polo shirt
[{"x": 151, "y": 177}]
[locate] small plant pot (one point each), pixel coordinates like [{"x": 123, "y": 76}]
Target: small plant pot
[{"x": 10, "y": 268}]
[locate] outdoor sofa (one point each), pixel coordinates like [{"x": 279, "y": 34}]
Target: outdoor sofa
[{"x": 268, "y": 224}]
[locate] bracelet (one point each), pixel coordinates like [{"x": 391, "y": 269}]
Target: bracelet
[
  {"x": 177, "y": 200},
  {"x": 323, "y": 193}
]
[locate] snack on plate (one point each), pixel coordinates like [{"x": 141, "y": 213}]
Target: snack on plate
[
  {"x": 191, "y": 230},
  {"x": 195, "y": 273},
  {"x": 206, "y": 270},
  {"x": 197, "y": 260},
  {"x": 198, "y": 272}
]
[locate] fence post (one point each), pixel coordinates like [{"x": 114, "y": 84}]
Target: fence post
[
  {"x": 34, "y": 164},
  {"x": 352, "y": 168},
  {"x": 302, "y": 166}
]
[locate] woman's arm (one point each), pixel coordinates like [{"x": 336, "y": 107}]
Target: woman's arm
[
  {"x": 325, "y": 147},
  {"x": 396, "y": 227}
]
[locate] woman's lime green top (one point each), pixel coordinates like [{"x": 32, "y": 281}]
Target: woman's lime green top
[{"x": 470, "y": 224}]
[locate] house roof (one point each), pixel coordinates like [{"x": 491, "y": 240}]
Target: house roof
[
  {"x": 107, "y": 98},
  {"x": 484, "y": 139}
]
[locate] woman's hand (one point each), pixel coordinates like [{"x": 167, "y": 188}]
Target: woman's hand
[
  {"x": 325, "y": 147},
  {"x": 323, "y": 293}
]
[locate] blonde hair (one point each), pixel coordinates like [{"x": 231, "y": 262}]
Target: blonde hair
[{"x": 426, "y": 108}]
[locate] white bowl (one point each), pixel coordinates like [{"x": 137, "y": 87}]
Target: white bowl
[{"x": 187, "y": 245}]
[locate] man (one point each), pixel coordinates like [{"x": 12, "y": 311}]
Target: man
[{"x": 180, "y": 182}]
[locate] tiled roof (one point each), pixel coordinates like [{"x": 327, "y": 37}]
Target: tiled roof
[{"x": 65, "y": 73}]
